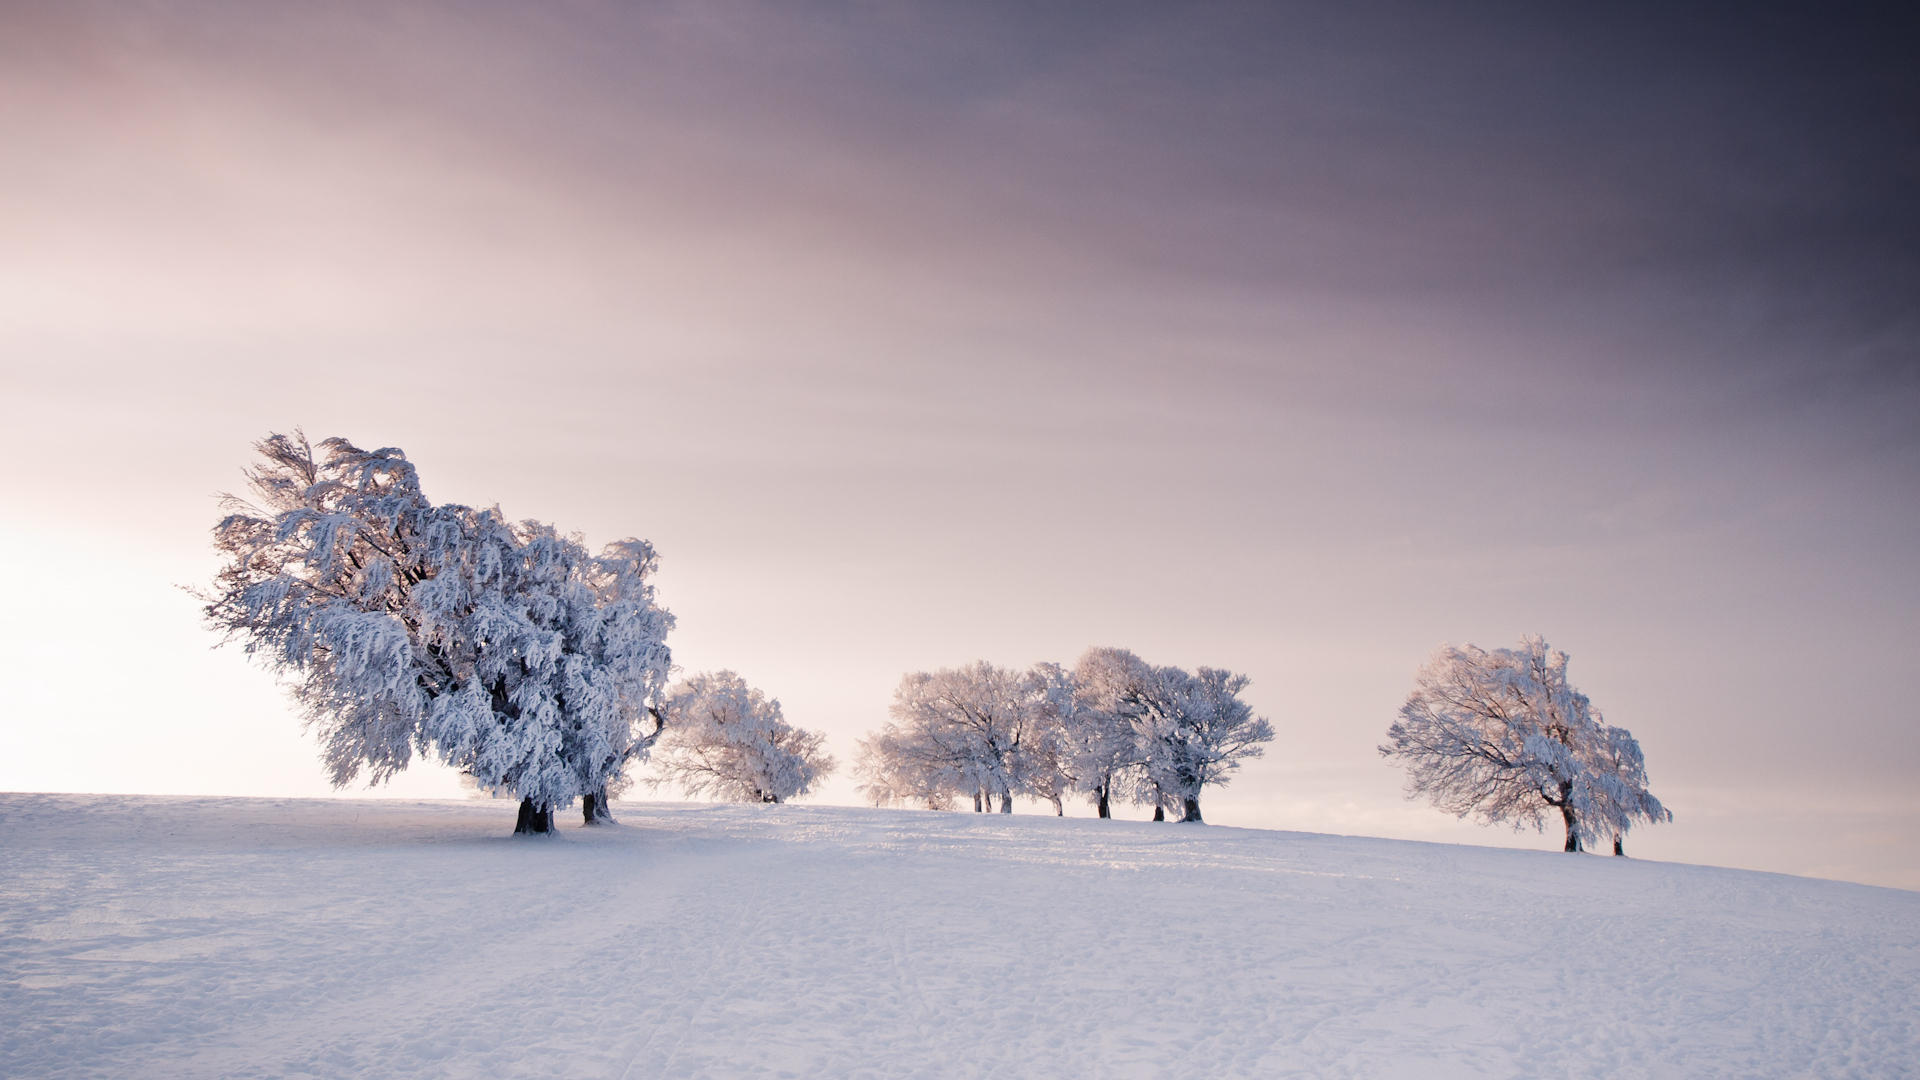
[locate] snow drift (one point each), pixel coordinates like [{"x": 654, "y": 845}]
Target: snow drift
[{"x": 187, "y": 937}]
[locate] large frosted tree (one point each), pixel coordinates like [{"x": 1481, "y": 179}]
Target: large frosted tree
[
  {"x": 402, "y": 627},
  {"x": 1501, "y": 736},
  {"x": 727, "y": 739}
]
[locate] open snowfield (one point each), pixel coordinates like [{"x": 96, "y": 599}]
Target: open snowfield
[{"x": 190, "y": 937}]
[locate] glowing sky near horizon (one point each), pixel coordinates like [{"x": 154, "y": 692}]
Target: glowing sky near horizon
[{"x": 1295, "y": 339}]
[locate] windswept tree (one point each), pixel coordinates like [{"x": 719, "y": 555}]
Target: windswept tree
[
  {"x": 1502, "y": 737},
  {"x": 727, "y": 739},
  {"x": 402, "y": 627}
]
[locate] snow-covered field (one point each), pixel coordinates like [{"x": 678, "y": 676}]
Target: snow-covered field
[{"x": 163, "y": 937}]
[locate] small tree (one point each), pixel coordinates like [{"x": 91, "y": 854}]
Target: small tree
[
  {"x": 1501, "y": 736},
  {"x": 727, "y": 739}
]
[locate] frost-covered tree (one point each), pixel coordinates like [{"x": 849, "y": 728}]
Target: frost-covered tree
[
  {"x": 1187, "y": 730},
  {"x": 1050, "y": 750},
  {"x": 1617, "y": 785},
  {"x": 896, "y": 767},
  {"x": 727, "y": 739},
  {"x": 963, "y": 731},
  {"x": 1114, "y": 727},
  {"x": 402, "y": 627},
  {"x": 1501, "y": 736},
  {"x": 1204, "y": 736},
  {"x": 1105, "y": 754}
]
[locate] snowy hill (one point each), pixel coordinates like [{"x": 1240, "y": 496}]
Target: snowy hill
[{"x": 181, "y": 937}]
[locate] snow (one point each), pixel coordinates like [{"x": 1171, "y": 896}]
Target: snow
[{"x": 200, "y": 937}]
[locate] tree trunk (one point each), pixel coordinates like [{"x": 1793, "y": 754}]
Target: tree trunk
[
  {"x": 1105, "y": 807},
  {"x": 976, "y": 802},
  {"x": 1159, "y": 812},
  {"x": 1006, "y": 803},
  {"x": 1573, "y": 837},
  {"x": 533, "y": 819},
  {"x": 1618, "y": 848},
  {"x": 1058, "y": 810},
  {"x": 1191, "y": 811},
  {"x": 594, "y": 809}
]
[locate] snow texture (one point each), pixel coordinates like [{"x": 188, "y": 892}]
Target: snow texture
[{"x": 197, "y": 937}]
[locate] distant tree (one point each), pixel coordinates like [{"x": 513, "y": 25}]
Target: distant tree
[
  {"x": 1617, "y": 787},
  {"x": 1114, "y": 727},
  {"x": 1501, "y": 736},
  {"x": 1187, "y": 730},
  {"x": 727, "y": 739},
  {"x": 981, "y": 731},
  {"x": 1050, "y": 751},
  {"x": 1105, "y": 753},
  {"x": 896, "y": 767},
  {"x": 969, "y": 724},
  {"x": 402, "y": 627}
]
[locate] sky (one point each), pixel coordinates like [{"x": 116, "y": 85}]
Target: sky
[{"x": 1296, "y": 339}]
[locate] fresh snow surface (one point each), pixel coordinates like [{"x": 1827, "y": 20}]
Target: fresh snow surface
[{"x": 195, "y": 937}]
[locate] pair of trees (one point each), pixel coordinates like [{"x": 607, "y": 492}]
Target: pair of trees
[
  {"x": 505, "y": 649},
  {"x": 1114, "y": 727},
  {"x": 1501, "y": 736}
]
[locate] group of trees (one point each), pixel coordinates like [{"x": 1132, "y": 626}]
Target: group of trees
[
  {"x": 1112, "y": 728},
  {"x": 505, "y": 649},
  {"x": 540, "y": 670},
  {"x": 1501, "y": 736}
]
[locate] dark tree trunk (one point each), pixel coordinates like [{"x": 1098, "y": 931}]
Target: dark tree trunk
[
  {"x": 1006, "y": 803},
  {"x": 1618, "y": 849},
  {"x": 1191, "y": 811},
  {"x": 976, "y": 802},
  {"x": 1058, "y": 810},
  {"x": 1573, "y": 837},
  {"x": 533, "y": 819},
  {"x": 1159, "y": 812},
  {"x": 594, "y": 809},
  {"x": 1105, "y": 807}
]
